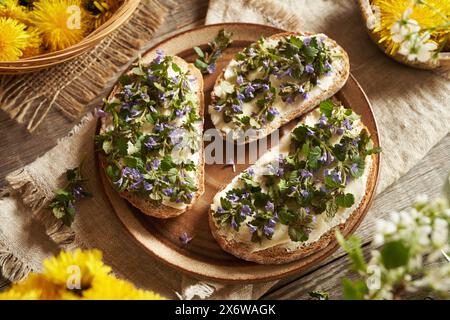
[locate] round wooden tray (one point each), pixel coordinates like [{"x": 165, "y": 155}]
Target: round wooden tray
[{"x": 202, "y": 257}]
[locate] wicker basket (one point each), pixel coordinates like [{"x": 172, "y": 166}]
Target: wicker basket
[
  {"x": 442, "y": 63},
  {"x": 47, "y": 60}
]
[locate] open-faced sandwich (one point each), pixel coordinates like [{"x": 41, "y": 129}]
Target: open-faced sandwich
[
  {"x": 275, "y": 80},
  {"x": 289, "y": 202},
  {"x": 151, "y": 136}
]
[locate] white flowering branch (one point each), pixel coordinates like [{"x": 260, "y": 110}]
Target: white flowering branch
[{"x": 408, "y": 242}]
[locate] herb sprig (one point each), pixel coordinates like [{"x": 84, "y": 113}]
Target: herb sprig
[
  {"x": 63, "y": 204},
  {"x": 206, "y": 61}
]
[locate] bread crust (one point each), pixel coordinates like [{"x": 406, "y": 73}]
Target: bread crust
[
  {"x": 147, "y": 206},
  {"x": 304, "y": 106}
]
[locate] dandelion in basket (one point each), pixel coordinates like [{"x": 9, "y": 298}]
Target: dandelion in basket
[
  {"x": 416, "y": 29},
  {"x": 77, "y": 275},
  {"x": 33, "y": 27}
]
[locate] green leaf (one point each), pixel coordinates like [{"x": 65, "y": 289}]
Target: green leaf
[
  {"x": 360, "y": 166},
  {"x": 199, "y": 52},
  {"x": 305, "y": 149},
  {"x": 331, "y": 208},
  {"x": 313, "y": 156},
  {"x": 354, "y": 290},
  {"x": 225, "y": 204},
  {"x": 261, "y": 199},
  {"x": 345, "y": 200},
  {"x": 134, "y": 162},
  {"x": 353, "y": 248},
  {"x": 331, "y": 184},
  {"x": 326, "y": 108},
  {"x": 297, "y": 234},
  {"x": 286, "y": 216},
  {"x": 58, "y": 212},
  {"x": 166, "y": 163},
  {"x": 395, "y": 254},
  {"x": 175, "y": 67},
  {"x": 200, "y": 64}
]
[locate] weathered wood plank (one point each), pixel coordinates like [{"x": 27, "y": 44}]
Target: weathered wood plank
[{"x": 425, "y": 178}]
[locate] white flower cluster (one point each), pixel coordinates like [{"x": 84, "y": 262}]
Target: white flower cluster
[
  {"x": 414, "y": 45},
  {"x": 424, "y": 232}
]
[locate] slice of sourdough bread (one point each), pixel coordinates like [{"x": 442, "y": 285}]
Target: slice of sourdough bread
[
  {"x": 328, "y": 86},
  {"x": 166, "y": 209},
  {"x": 280, "y": 248}
]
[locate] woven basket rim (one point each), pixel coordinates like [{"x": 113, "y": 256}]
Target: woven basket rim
[{"x": 117, "y": 19}]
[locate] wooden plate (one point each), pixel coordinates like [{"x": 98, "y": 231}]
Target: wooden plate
[{"x": 202, "y": 257}]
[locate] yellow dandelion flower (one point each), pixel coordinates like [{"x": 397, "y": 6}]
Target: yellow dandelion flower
[
  {"x": 64, "y": 268},
  {"x": 34, "y": 44},
  {"x": 111, "y": 288},
  {"x": 62, "y": 23},
  {"x": 102, "y": 10},
  {"x": 12, "y": 9},
  {"x": 34, "y": 287},
  {"x": 13, "y": 39},
  {"x": 427, "y": 16}
]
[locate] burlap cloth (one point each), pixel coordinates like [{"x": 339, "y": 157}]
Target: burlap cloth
[
  {"x": 70, "y": 86},
  {"x": 410, "y": 105}
]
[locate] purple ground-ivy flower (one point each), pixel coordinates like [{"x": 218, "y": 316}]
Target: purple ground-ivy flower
[
  {"x": 211, "y": 68},
  {"x": 340, "y": 131},
  {"x": 269, "y": 206},
  {"x": 233, "y": 197},
  {"x": 250, "y": 171},
  {"x": 239, "y": 80},
  {"x": 323, "y": 121},
  {"x": 268, "y": 231},
  {"x": 167, "y": 191},
  {"x": 249, "y": 90},
  {"x": 159, "y": 127},
  {"x": 265, "y": 87},
  {"x": 304, "y": 193},
  {"x": 78, "y": 192},
  {"x": 347, "y": 124},
  {"x": 271, "y": 223},
  {"x": 155, "y": 163},
  {"x": 292, "y": 189},
  {"x": 147, "y": 186},
  {"x": 236, "y": 108},
  {"x": 265, "y": 63},
  {"x": 234, "y": 224},
  {"x": 356, "y": 141},
  {"x": 252, "y": 228},
  {"x": 273, "y": 111},
  {"x": 309, "y": 68},
  {"x": 251, "y": 52},
  {"x": 305, "y": 173},
  {"x": 307, "y": 41},
  {"x": 240, "y": 96},
  {"x": 185, "y": 238},
  {"x": 309, "y": 132},
  {"x": 328, "y": 66},
  {"x": 306, "y": 96},
  {"x": 290, "y": 99},
  {"x": 150, "y": 143},
  {"x": 159, "y": 56},
  {"x": 218, "y": 107},
  {"x": 263, "y": 119},
  {"x": 337, "y": 177}
]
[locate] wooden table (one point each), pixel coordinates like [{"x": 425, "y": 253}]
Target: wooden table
[{"x": 18, "y": 148}]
